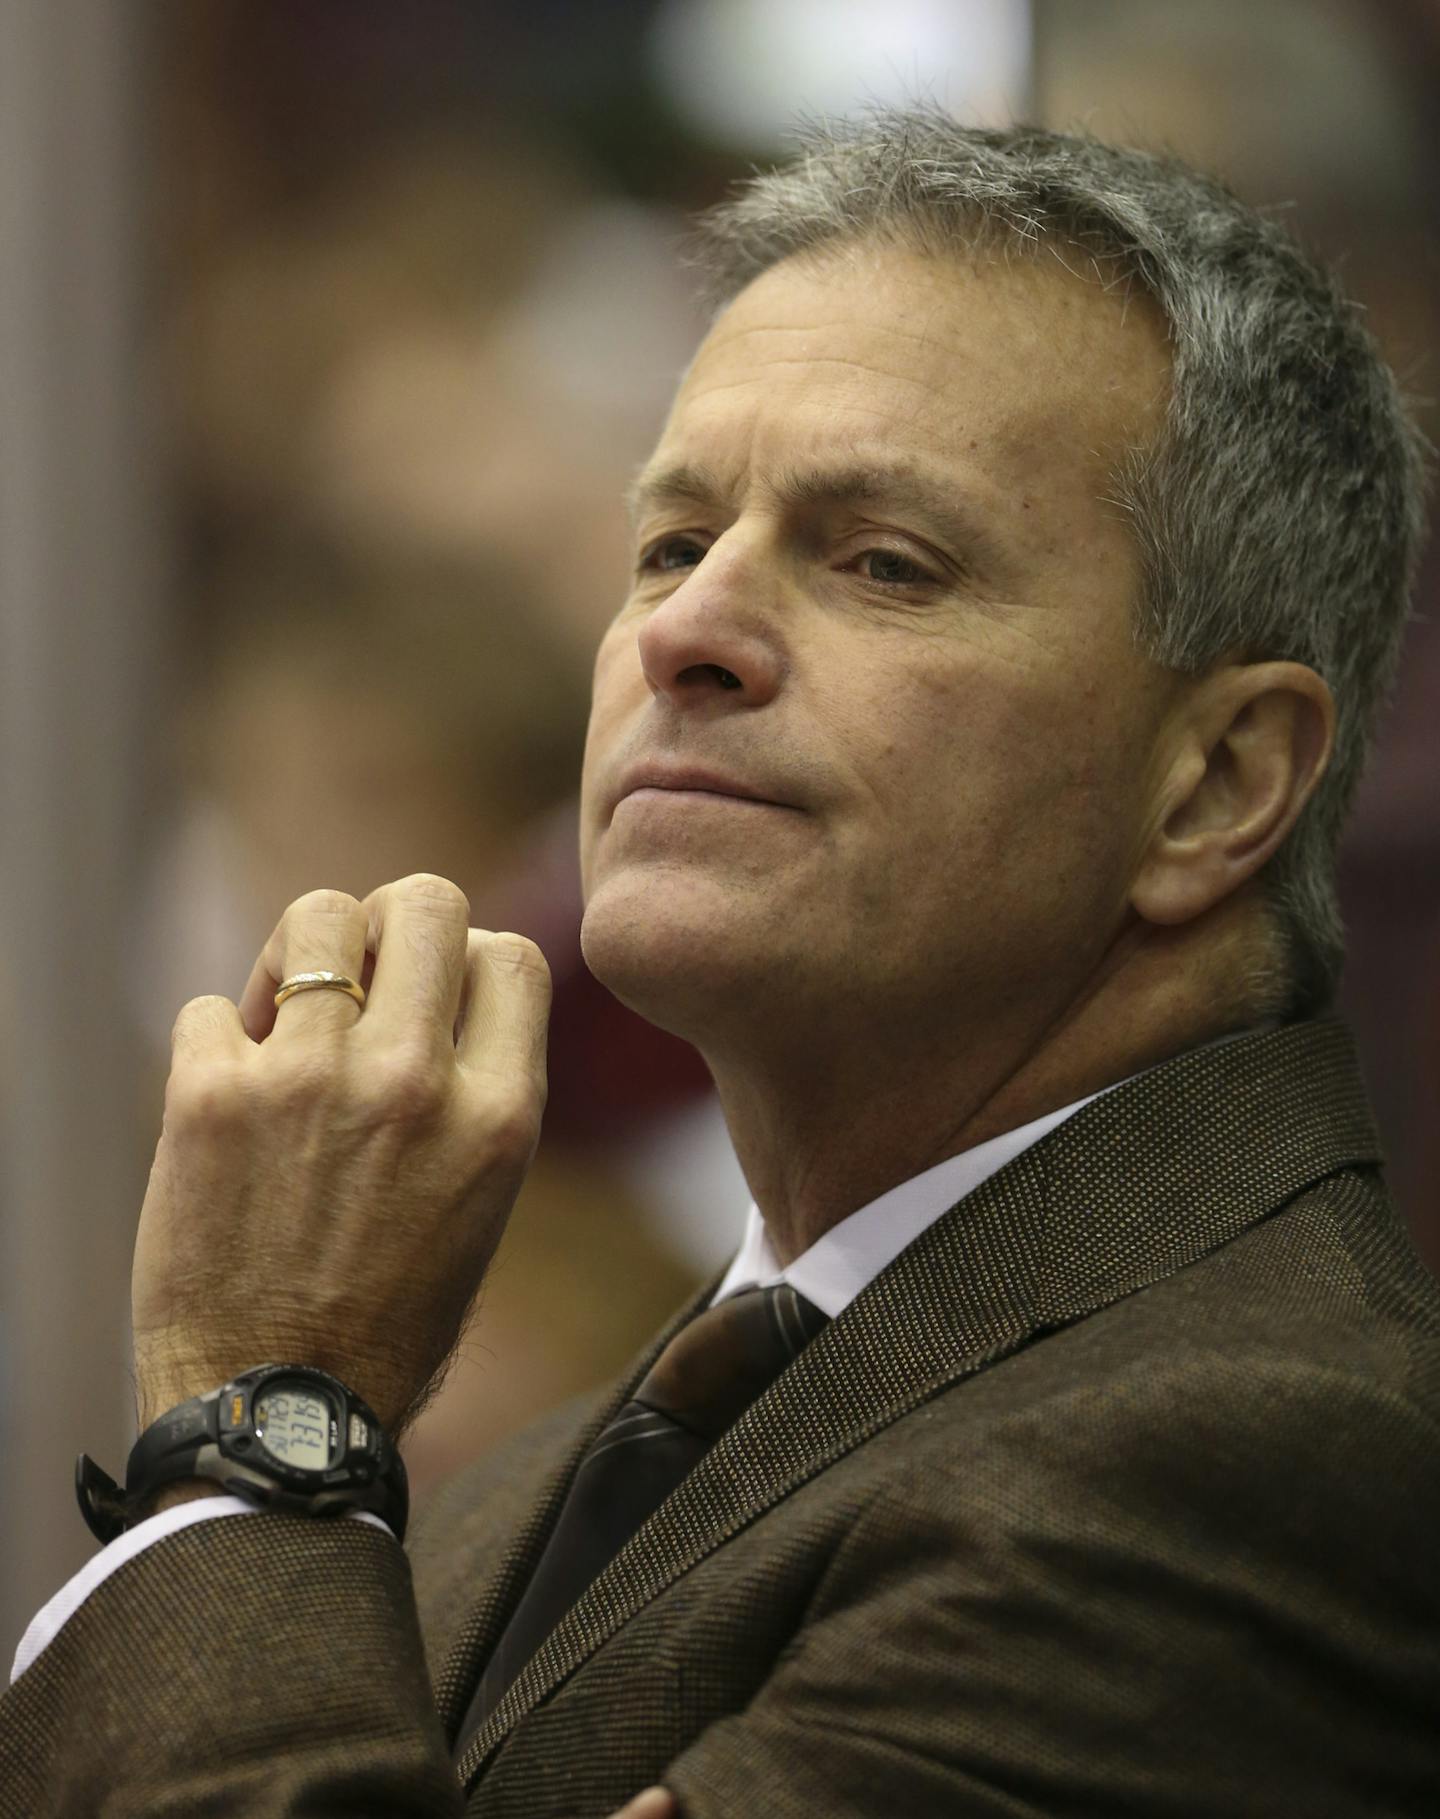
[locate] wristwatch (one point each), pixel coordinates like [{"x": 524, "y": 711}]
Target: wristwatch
[{"x": 283, "y": 1436}]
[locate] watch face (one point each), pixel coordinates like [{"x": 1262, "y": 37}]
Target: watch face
[{"x": 298, "y": 1424}]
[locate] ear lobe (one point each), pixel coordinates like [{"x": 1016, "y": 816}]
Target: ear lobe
[{"x": 1240, "y": 791}]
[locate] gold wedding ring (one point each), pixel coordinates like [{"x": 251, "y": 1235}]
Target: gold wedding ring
[{"x": 319, "y": 982}]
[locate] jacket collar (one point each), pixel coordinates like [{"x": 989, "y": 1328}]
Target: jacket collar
[{"x": 1140, "y": 1182}]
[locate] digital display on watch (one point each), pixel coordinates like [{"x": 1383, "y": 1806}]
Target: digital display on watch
[{"x": 297, "y": 1425}]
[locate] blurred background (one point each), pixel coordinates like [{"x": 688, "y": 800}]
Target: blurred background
[{"x": 330, "y": 331}]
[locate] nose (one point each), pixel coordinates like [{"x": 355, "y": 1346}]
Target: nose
[{"x": 711, "y": 639}]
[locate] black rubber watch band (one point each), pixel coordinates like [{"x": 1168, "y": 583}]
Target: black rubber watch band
[{"x": 284, "y": 1437}]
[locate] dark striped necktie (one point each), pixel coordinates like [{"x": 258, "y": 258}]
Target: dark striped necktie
[{"x": 700, "y": 1385}]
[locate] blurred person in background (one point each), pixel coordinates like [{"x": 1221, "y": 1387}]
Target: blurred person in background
[
  {"x": 1018, "y": 583},
  {"x": 423, "y": 357}
]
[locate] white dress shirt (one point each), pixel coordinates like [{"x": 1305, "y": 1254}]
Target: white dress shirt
[
  {"x": 830, "y": 1274},
  {"x": 852, "y": 1254}
]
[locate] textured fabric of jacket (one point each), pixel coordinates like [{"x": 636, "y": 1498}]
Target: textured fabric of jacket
[{"x": 1117, "y": 1493}]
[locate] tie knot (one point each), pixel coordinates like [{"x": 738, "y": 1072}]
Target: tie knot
[{"x": 723, "y": 1359}]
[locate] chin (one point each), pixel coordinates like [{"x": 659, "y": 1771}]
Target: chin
[{"x": 673, "y": 950}]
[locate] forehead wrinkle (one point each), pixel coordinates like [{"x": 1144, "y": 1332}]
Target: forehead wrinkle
[{"x": 727, "y": 333}]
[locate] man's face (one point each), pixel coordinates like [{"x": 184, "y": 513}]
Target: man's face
[{"x": 877, "y": 586}]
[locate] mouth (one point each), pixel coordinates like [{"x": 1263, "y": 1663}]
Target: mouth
[
  {"x": 695, "y": 787},
  {"x": 693, "y": 798}
]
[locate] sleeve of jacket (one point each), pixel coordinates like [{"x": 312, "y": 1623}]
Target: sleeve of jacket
[
  {"x": 1167, "y": 1593},
  {"x": 265, "y": 1664}
]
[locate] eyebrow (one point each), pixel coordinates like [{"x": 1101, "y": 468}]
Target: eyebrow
[
  {"x": 685, "y": 483},
  {"x": 904, "y": 487}
]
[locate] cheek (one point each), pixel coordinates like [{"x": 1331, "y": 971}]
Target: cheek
[
  {"x": 617, "y": 692},
  {"x": 617, "y": 670},
  {"x": 969, "y": 758}
]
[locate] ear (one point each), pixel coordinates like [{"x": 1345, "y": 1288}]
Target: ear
[{"x": 1254, "y": 741}]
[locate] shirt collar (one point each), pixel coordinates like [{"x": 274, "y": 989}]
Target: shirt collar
[{"x": 851, "y": 1254}]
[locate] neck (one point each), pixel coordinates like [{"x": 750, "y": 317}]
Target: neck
[{"x": 823, "y": 1132}]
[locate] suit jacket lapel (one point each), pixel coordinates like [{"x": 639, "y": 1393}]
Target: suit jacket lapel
[
  {"x": 1137, "y": 1184},
  {"x": 500, "y": 1591}
]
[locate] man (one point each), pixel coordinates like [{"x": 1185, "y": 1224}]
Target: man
[{"x": 1017, "y": 581}]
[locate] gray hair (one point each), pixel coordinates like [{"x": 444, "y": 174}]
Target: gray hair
[{"x": 1281, "y": 509}]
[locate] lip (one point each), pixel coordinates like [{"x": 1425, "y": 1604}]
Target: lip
[{"x": 690, "y": 777}]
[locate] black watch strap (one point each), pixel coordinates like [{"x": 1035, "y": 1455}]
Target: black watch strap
[
  {"x": 214, "y": 1437},
  {"x": 167, "y": 1451}
]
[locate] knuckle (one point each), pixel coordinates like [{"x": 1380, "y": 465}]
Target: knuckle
[
  {"x": 327, "y": 903},
  {"x": 520, "y": 952},
  {"x": 205, "y": 1096},
  {"x": 199, "y": 1013},
  {"x": 430, "y": 890},
  {"x": 405, "y": 1087},
  {"x": 512, "y": 1128}
]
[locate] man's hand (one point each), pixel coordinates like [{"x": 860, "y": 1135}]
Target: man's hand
[{"x": 331, "y": 1182}]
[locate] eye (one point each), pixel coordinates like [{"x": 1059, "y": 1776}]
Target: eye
[
  {"x": 672, "y": 553},
  {"x": 892, "y": 569}
]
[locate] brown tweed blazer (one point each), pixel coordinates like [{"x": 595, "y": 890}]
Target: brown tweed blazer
[{"x": 1115, "y": 1494}]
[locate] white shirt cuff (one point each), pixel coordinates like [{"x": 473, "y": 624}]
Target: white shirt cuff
[{"x": 46, "y": 1625}]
